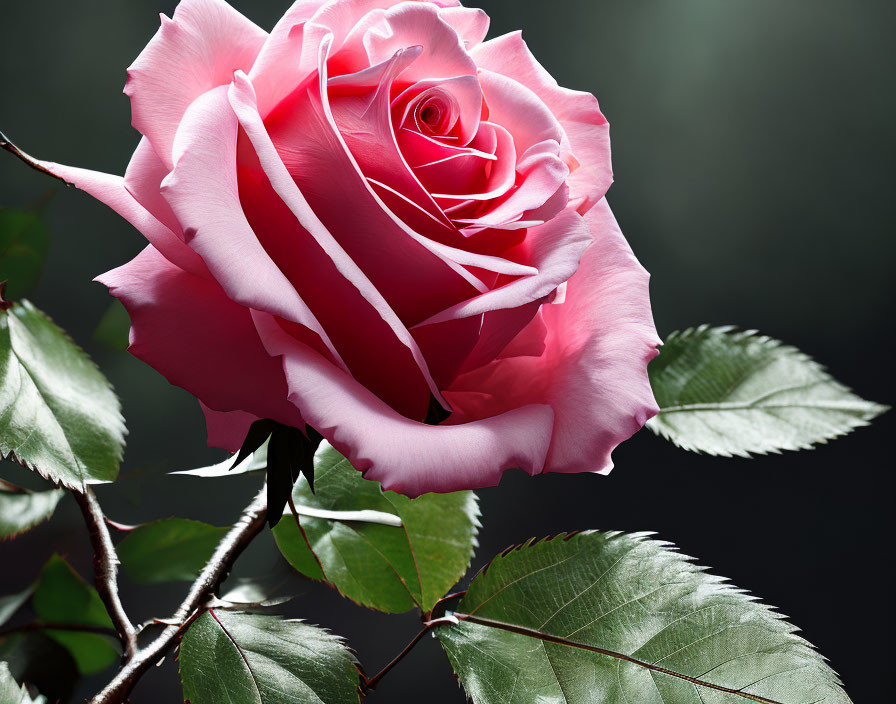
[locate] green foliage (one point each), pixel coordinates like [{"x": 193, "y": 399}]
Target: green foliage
[
  {"x": 114, "y": 327},
  {"x": 253, "y": 659},
  {"x": 12, "y": 603},
  {"x": 736, "y": 393},
  {"x": 24, "y": 246},
  {"x": 11, "y": 692},
  {"x": 384, "y": 567},
  {"x": 38, "y": 660},
  {"x": 171, "y": 549},
  {"x": 21, "y": 509},
  {"x": 60, "y": 415},
  {"x": 612, "y": 618},
  {"x": 61, "y": 596}
]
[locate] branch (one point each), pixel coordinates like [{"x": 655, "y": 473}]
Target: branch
[
  {"x": 55, "y": 626},
  {"x": 237, "y": 539},
  {"x": 429, "y": 625},
  {"x": 105, "y": 569}
]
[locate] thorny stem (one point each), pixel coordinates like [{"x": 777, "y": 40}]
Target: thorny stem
[
  {"x": 105, "y": 569},
  {"x": 249, "y": 525},
  {"x": 428, "y": 626}
]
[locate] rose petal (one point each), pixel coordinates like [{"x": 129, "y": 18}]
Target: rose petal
[
  {"x": 404, "y": 455},
  {"x": 419, "y": 24},
  {"x": 470, "y": 23},
  {"x": 586, "y": 129},
  {"x": 319, "y": 265},
  {"x": 187, "y": 329},
  {"x": 517, "y": 108},
  {"x": 465, "y": 90},
  {"x": 279, "y": 68},
  {"x": 593, "y": 371},
  {"x": 111, "y": 190},
  {"x": 197, "y": 50},
  {"x": 446, "y": 346},
  {"x": 453, "y": 180},
  {"x": 227, "y": 429},
  {"x": 202, "y": 190},
  {"x": 554, "y": 248},
  {"x": 143, "y": 179},
  {"x": 499, "y": 327},
  {"x": 540, "y": 175},
  {"x": 303, "y": 130},
  {"x": 364, "y": 119}
]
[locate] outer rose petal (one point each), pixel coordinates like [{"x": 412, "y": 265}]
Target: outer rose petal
[
  {"x": 593, "y": 371},
  {"x": 278, "y": 69},
  {"x": 111, "y": 191},
  {"x": 197, "y": 50},
  {"x": 187, "y": 329},
  {"x": 404, "y": 455},
  {"x": 202, "y": 190},
  {"x": 227, "y": 429},
  {"x": 419, "y": 24},
  {"x": 586, "y": 128},
  {"x": 470, "y": 23},
  {"x": 143, "y": 179}
]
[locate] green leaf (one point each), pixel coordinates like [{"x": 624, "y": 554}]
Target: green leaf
[
  {"x": 59, "y": 414},
  {"x": 13, "y": 693},
  {"x": 40, "y": 661},
  {"x": 615, "y": 618},
  {"x": 384, "y": 567},
  {"x": 114, "y": 327},
  {"x": 24, "y": 246},
  {"x": 735, "y": 393},
  {"x": 21, "y": 509},
  {"x": 172, "y": 549},
  {"x": 253, "y": 659},
  {"x": 62, "y": 596},
  {"x": 12, "y": 603}
]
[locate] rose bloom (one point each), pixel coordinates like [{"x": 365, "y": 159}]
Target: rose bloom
[{"x": 374, "y": 222}]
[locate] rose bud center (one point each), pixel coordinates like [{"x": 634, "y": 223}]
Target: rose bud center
[{"x": 436, "y": 112}]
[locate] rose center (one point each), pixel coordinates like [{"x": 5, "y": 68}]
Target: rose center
[
  {"x": 436, "y": 113},
  {"x": 430, "y": 114}
]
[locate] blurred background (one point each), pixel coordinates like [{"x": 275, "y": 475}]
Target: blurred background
[{"x": 753, "y": 146}]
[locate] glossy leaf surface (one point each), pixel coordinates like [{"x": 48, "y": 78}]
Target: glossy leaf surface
[
  {"x": 253, "y": 659},
  {"x": 384, "y": 567},
  {"x": 11, "y": 692},
  {"x": 61, "y": 416},
  {"x": 62, "y": 596},
  {"x": 21, "y": 509},
  {"x": 171, "y": 549},
  {"x": 738, "y": 393},
  {"x": 612, "y": 618}
]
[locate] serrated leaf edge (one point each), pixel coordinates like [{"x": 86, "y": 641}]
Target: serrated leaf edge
[{"x": 738, "y": 336}]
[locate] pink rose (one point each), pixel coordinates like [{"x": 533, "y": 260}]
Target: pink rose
[{"x": 371, "y": 220}]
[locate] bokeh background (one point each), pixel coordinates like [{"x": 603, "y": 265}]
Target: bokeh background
[{"x": 753, "y": 145}]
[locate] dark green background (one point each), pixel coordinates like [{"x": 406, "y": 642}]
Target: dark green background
[{"x": 754, "y": 152}]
